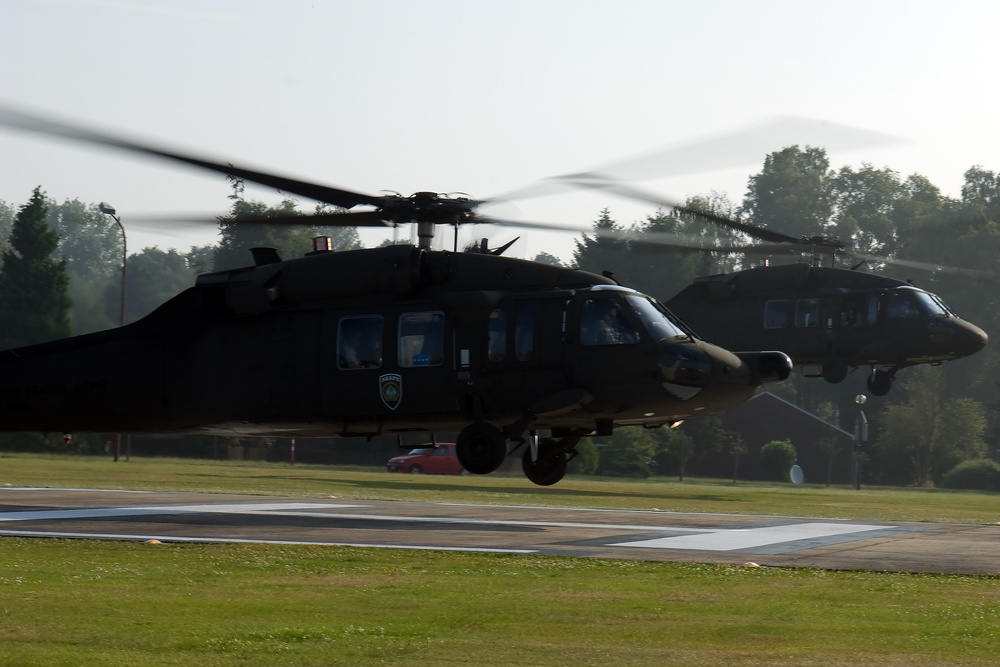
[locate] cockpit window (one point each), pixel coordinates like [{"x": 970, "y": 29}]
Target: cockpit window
[
  {"x": 902, "y": 305},
  {"x": 910, "y": 303},
  {"x": 602, "y": 323},
  {"x": 657, "y": 319},
  {"x": 931, "y": 305}
]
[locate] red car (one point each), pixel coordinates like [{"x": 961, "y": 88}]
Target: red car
[{"x": 435, "y": 460}]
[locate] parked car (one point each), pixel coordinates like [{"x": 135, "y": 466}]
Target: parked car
[{"x": 431, "y": 459}]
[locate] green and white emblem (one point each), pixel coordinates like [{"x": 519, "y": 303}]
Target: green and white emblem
[{"x": 390, "y": 388}]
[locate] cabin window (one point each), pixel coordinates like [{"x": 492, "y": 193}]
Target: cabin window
[
  {"x": 776, "y": 314},
  {"x": 421, "y": 339},
  {"x": 496, "y": 346},
  {"x": 602, "y": 323},
  {"x": 524, "y": 331},
  {"x": 873, "y": 308},
  {"x": 852, "y": 313},
  {"x": 359, "y": 342},
  {"x": 807, "y": 313}
]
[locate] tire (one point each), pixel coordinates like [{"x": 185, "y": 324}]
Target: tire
[
  {"x": 481, "y": 448},
  {"x": 547, "y": 470}
]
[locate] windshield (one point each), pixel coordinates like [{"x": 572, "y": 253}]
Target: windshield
[
  {"x": 657, "y": 319},
  {"x": 910, "y": 303},
  {"x": 929, "y": 304}
]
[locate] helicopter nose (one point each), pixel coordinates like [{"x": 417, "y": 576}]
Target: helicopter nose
[
  {"x": 767, "y": 367},
  {"x": 685, "y": 366},
  {"x": 973, "y": 339},
  {"x": 957, "y": 338},
  {"x": 703, "y": 365}
]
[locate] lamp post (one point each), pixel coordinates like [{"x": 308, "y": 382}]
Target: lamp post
[
  {"x": 860, "y": 436},
  {"x": 108, "y": 209}
]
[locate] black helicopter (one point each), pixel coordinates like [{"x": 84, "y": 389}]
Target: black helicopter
[
  {"x": 384, "y": 341},
  {"x": 828, "y": 320}
]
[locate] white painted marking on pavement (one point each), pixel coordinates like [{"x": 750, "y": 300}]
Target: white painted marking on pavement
[
  {"x": 239, "y": 540},
  {"x": 735, "y": 539},
  {"x": 103, "y": 512}
]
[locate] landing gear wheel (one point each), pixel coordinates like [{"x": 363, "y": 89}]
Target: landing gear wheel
[
  {"x": 834, "y": 370},
  {"x": 550, "y": 466},
  {"x": 880, "y": 382},
  {"x": 481, "y": 448}
]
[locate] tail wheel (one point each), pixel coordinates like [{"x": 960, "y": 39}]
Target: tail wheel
[
  {"x": 550, "y": 466},
  {"x": 481, "y": 448},
  {"x": 880, "y": 382}
]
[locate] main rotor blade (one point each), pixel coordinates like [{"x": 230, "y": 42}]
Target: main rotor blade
[
  {"x": 346, "y": 219},
  {"x": 630, "y": 235},
  {"x": 323, "y": 193},
  {"x": 930, "y": 267},
  {"x": 599, "y": 182},
  {"x": 747, "y": 145}
]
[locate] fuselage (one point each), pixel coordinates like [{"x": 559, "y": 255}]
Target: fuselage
[
  {"x": 812, "y": 313},
  {"x": 381, "y": 341}
]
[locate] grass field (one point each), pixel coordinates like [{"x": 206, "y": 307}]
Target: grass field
[{"x": 120, "y": 603}]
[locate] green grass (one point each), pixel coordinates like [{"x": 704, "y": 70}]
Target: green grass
[{"x": 66, "y": 602}]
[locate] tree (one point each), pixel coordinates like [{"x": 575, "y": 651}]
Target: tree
[
  {"x": 982, "y": 191},
  {"x": 828, "y": 445},
  {"x": 89, "y": 241},
  {"x": 91, "y": 245},
  {"x": 605, "y": 249},
  {"x": 6, "y": 223},
  {"x": 866, "y": 203},
  {"x": 546, "y": 258},
  {"x": 678, "y": 446},
  {"x": 926, "y": 432},
  {"x": 674, "y": 446},
  {"x": 152, "y": 277},
  {"x": 737, "y": 447},
  {"x": 660, "y": 269},
  {"x": 34, "y": 299},
  {"x": 792, "y": 194},
  {"x": 777, "y": 457},
  {"x": 246, "y": 227},
  {"x": 627, "y": 453},
  {"x": 585, "y": 462}
]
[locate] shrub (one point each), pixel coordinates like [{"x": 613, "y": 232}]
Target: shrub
[
  {"x": 978, "y": 474},
  {"x": 776, "y": 458}
]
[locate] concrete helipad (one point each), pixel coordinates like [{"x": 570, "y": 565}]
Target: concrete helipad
[{"x": 637, "y": 535}]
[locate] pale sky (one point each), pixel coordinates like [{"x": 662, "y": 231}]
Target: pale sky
[{"x": 484, "y": 98}]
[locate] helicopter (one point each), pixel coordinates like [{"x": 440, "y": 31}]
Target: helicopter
[
  {"x": 829, "y": 320},
  {"x": 394, "y": 340}
]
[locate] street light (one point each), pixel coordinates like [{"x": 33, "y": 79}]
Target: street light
[
  {"x": 108, "y": 209},
  {"x": 860, "y": 436}
]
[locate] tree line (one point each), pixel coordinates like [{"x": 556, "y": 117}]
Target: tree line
[
  {"x": 64, "y": 259},
  {"x": 936, "y": 417}
]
